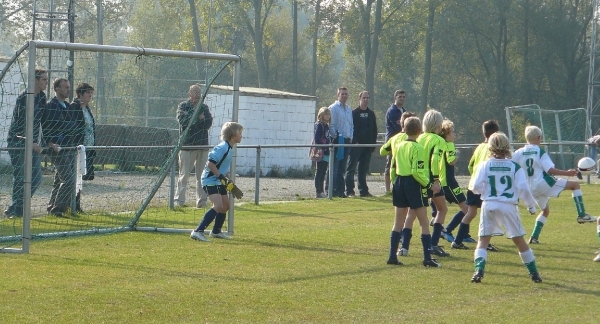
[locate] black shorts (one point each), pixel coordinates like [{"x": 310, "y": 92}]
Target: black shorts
[
  {"x": 212, "y": 190},
  {"x": 454, "y": 195},
  {"x": 408, "y": 192},
  {"x": 473, "y": 199},
  {"x": 430, "y": 193}
]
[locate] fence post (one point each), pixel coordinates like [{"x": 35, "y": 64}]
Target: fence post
[{"x": 257, "y": 177}]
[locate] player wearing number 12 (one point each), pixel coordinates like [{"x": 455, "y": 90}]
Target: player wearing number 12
[
  {"x": 540, "y": 172},
  {"x": 216, "y": 184},
  {"x": 501, "y": 183}
]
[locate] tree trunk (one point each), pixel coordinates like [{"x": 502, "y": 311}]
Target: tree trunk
[
  {"x": 258, "y": 45},
  {"x": 315, "y": 43},
  {"x": 427, "y": 67},
  {"x": 195, "y": 26}
]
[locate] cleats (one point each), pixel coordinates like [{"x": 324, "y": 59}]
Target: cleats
[
  {"x": 586, "y": 219},
  {"x": 394, "y": 261},
  {"x": 469, "y": 240},
  {"x": 220, "y": 235},
  {"x": 431, "y": 263},
  {"x": 597, "y": 258},
  {"x": 459, "y": 246},
  {"x": 436, "y": 250},
  {"x": 477, "y": 276},
  {"x": 533, "y": 240},
  {"x": 492, "y": 248},
  {"x": 535, "y": 277},
  {"x": 198, "y": 236},
  {"x": 447, "y": 236},
  {"x": 402, "y": 252}
]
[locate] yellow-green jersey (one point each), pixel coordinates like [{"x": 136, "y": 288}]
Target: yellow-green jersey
[
  {"x": 448, "y": 159},
  {"x": 434, "y": 146},
  {"x": 410, "y": 161},
  {"x": 480, "y": 154},
  {"x": 390, "y": 147}
]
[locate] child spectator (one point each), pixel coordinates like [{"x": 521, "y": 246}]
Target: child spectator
[
  {"x": 322, "y": 137},
  {"x": 501, "y": 183}
]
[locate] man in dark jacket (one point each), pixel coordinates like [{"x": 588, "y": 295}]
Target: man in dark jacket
[
  {"x": 365, "y": 132},
  {"x": 59, "y": 127},
  {"x": 16, "y": 143},
  {"x": 393, "y": 127},
  {"x": 199, "y": 123}
]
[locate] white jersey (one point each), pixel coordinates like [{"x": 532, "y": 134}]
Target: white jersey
[
  {"x": 502, "y": 180},
  {"x": 536, "y": 163}
]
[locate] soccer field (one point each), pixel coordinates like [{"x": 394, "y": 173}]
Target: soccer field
[{"x": 307, "y": 261}]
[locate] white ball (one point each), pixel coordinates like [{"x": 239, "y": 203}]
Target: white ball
[{"x": 586, "y": 165}]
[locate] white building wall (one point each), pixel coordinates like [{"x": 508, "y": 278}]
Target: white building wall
[{"x": 268, "y": 118}]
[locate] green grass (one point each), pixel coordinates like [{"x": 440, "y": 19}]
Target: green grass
[{"x": 308, "y": 261}]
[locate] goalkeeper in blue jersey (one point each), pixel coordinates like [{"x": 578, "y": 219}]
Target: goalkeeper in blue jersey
[{"x": 216, "y": 184}]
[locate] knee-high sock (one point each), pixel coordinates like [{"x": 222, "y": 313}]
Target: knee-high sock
[
  {"x": 529, "y": 260},
  {"x": 394, "y": 242},
  {"x": 479, "y": 259},
  {"x": 406, "y": 237},
  {"x": 437, "y": 232},
  {"x": 463, "y": 230},
  {"x": 578, "y": 198},
  {"x": 206, "y": 220},
  {"x": 539, "y": 223},
  {"x": 455, "y": 221},
  {"x": 426, "y": 241},
  {"x": 219, "y": 221}
]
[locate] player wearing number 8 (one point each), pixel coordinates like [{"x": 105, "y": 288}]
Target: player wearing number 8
[
  {"x": 501, "y": 183},
  {"x": 540, "y": 172},
  {"x": 216, "y": 184}
]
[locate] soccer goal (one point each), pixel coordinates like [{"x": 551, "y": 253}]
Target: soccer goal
[
  {"x": 564, "y": 131},
  {"x": 136, "y": 95}
]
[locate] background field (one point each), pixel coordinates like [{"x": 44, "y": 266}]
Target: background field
[{"x": 305, "y": 261}]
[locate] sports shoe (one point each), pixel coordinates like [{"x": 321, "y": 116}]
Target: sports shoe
[
  {"x": 220, "y": 235},
  {"x": 492, "y": 248},
  {"x": 586, "y": 219},
  {"x": 477, "y": 276},
  {"x": 201, "y": 204},
  {"x": 459, "y": 246},
  {"x": 469, "y": 240},
  {"x": 431, "y": 263},
  {"x": 367, "y": 194},
  {"x": 394, "y": 261},
  {"x": 321, "y": 195},
  {"x": 350, "y": 194},
  {"x": 535, "y": 277},
  {"x": 447, "y": 236},
  {"x": 437, "y": 250},
  {"x": 597, "y": 258},
  {"x": 198, "y": 236},
  {"x": 402, "y": 252},
  {"x": 533, "y": 240}
]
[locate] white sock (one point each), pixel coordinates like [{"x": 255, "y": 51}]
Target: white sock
[
  {"x": 527, "y": 256},
  {"x": 541, "y": 218},
  {"x": 577, "y": 193}
]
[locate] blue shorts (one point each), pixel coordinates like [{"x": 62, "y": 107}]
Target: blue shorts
[
  {"x": 212, "y": 190},
  {"x": 473, "y": 199},
  {"x": 408, "y": 192},
  {"x": 441, "y": 193},
  {"x": 454, "y": 195}
]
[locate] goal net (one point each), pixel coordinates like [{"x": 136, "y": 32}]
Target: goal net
[
  {"x": 564, "y": 131},
  {"x": 137, "y": 138}
]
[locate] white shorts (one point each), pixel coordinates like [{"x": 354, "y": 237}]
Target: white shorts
[
  {"x": 495, "y": 215},
  {"x": 543, "y": 192}
]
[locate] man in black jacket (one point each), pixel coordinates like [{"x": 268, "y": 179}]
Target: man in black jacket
[
  {"x": 59, "y": 127},
  {"x": 196, "y": 135},
  {"x": 365, "y": 132}
]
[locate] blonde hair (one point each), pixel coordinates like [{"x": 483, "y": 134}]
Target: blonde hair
[
  {"x": 412, "y": 126},
  {"x": 499, "y": 146},
  {"x": 432, "y": 121},
  {"x": 447, "y": 127},
  {"x": 323, "y": 111},
  {"x": 532, "y": 133},
  {"x": 230, "y": 129}
]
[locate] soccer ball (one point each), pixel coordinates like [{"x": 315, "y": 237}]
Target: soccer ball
[{"x": 586, "y": 165}]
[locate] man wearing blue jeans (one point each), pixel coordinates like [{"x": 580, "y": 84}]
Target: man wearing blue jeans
[
  {"x": 341, "y": 128},
  {"x": 16, "y": 144}
]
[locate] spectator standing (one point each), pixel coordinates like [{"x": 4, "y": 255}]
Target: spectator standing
[
  {"x": 59, "y": 127},
  {"x": 16, "y": 143},
  {"x": 393, "y": 127},
  {"x": 341, "y": 129},
  {"x": 197, "y": 135},
  {"x": 365, "y": 132},
  {"x": 86, "y": 134},
  {"x": 322, "y": 137},
  {"x": 592, "y": 144}
]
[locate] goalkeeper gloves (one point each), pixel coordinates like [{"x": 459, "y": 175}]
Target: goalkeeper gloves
[{"x": 226, "y": 182}]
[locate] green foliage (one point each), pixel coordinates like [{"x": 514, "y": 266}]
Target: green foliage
[{"x": 311, "y": 261}]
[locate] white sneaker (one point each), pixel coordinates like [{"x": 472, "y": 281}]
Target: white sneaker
[
  {"x": 198, "y": 236},
  {"x": 597, "y": 258},
  {"x": 220, "y": 235},
  {"x": 201, "y": 204},
  {"x": 402, "y": 252},
  {"x": 586, "y": 219}
]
